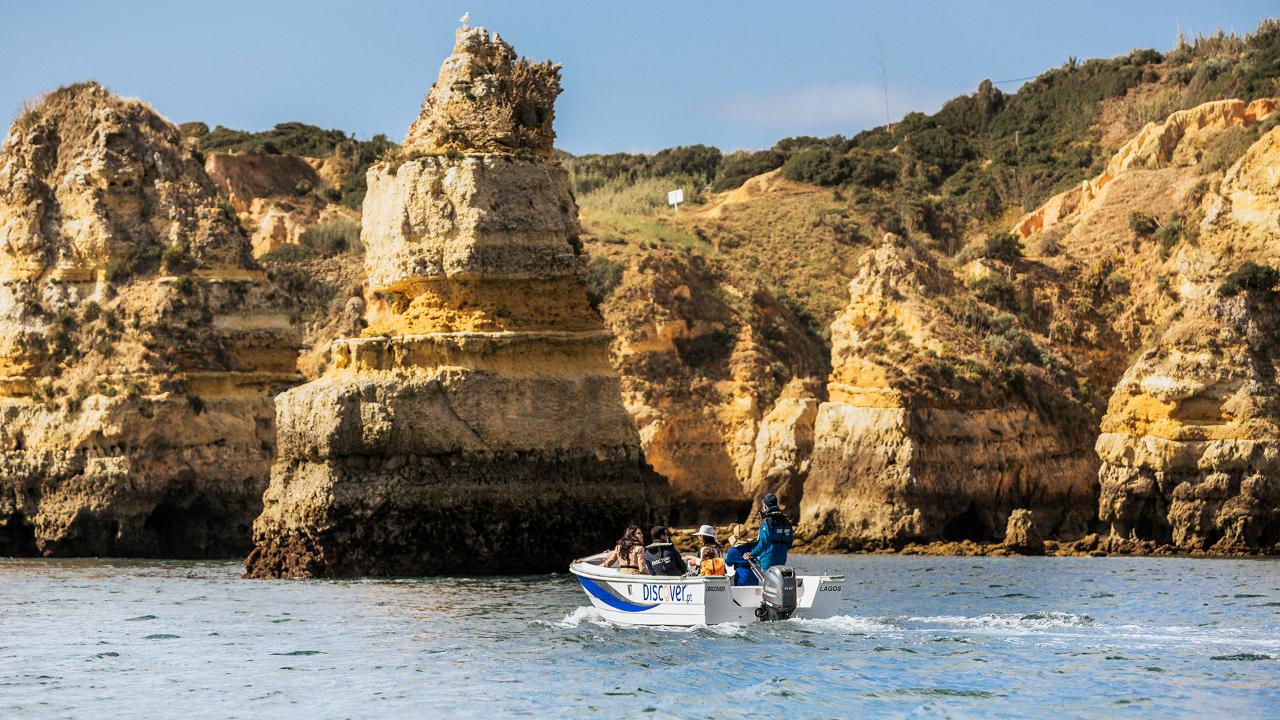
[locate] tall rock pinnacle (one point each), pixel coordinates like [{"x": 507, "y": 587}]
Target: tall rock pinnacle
[{"x": 478, "y": 426}]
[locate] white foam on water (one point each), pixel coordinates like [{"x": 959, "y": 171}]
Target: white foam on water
[
  {"x": 726, "y": 629},
  {"x": 591, "y": 615},
  {"x": 1069, "y": 624},
  {"x": 847, "y": 624},
  {"x": 581, "y": 615},
  {"x": 1182, "y": 634},
  {"x": 1019, "y": 623}
]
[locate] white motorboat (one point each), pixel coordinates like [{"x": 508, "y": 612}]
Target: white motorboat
[{"x": 695, "y": 600}]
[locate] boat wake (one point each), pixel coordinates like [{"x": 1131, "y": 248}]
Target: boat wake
[
  {"x": 839, "y": 624},
  {"x": 958, "y": 628},
  {"x": 1029, "y": 623},
  {"x": 581, "y": 615},
  {"x": 592, "y": 616},
  {"x": 845, "y": 625}
]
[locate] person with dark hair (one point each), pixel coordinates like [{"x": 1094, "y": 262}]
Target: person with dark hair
[
  {"x": 776, "y": 535},
  {"x": 628, "y": 555},
  {"x": 663, "y": 557}
]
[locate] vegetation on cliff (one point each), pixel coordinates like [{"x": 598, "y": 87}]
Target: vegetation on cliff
[{"x": 295, "y": 138}]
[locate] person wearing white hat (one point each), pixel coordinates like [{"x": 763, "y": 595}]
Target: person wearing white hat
[{"x": 709, "y": 560}]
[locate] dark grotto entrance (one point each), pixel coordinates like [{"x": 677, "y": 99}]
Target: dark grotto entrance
[
  {"x": 968, "y": 525},
  {"x": 17, "y": 537}
]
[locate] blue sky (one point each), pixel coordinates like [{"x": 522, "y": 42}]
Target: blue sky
[{"x": 637, "y": 76}]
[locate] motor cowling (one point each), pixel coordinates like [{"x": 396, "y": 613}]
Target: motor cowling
[{"x": 779, "y": 593}]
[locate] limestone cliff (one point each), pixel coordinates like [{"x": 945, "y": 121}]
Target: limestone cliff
[
  {"x": 943, "y": 417},
  {"x": 487, "y": 100},
  {"x": 1177, "y": 141},
  {"x": 704, "y": 355},
  {"x": 1190, "y": 441},
  {"x": 275, "y": 196},
  {"x": 477, "y": 426},
  {"x": 139, "y": 344}
]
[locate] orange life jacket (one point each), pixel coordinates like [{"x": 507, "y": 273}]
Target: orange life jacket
[{"x": 712, "y": 566}]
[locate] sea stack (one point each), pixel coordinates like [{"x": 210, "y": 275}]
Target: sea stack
[
  {"x": 139, "y": 342},
  {"x": 477, "y": 425}
]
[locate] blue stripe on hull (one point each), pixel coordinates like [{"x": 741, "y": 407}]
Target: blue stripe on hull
[{"x": 609, "y": 598}]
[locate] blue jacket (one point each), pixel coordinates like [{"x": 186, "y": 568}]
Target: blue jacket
[
  {"x": 776, "y": 536},
  {"x": 742, "y": 574}
]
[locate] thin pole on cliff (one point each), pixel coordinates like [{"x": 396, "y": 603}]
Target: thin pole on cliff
[{"x": 884, "y": 76}]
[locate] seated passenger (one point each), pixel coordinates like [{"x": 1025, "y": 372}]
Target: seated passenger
[
  {"x": 735, "y": 557},
  {"x": 628, "y": 556},
  {"x": 663, "y": 557},
  {"x": 709, "y": 560}
]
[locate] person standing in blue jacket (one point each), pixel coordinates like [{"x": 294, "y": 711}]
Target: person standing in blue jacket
[{"x": 776, "y": 535}]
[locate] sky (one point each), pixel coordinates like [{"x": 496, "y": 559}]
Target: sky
[{"x": 638, "y": 76}]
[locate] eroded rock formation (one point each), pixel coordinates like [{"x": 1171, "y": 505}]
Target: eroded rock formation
[
  {"x": 704, "y": 357},
  {"x": 1178, "y": 141},
  {"x": 477, "y": 426},
  {"x": 276, "y": 197},
  {"x": 1191, "y": 441},
  {"x": 139, "y": 344},
  {"x": 934, "y": 430}
]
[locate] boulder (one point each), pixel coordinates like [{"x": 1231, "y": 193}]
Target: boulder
[{"x": 1021, "y": 533}]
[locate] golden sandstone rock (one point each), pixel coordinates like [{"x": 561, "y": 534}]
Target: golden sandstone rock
[
  {"x": 477, "y": 426},
  {"x": 1178, "y": 141},
  {"x": 906, "y": 453},
  {"x": 702, "y": 352},
  {"x": 139, "y": 342},
  {"x": 1190, "y": 444}
]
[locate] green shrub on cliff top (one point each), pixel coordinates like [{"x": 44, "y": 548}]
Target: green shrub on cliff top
[
  {"x": 1003, "y": 246},
  {"x": 333, "y": 237},
  {"x": 603, "y": 275},
  {"x": 1250, "y": 276}
]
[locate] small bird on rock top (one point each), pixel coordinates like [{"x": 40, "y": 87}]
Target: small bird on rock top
[{"x": 466, "y": 18}]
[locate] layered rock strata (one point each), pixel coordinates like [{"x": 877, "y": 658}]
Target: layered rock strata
[
  {"x": 704, "y": 358},
  {"x": 276, "y": 197},
  {"x": 139, "y": 346},
  {"x": 477, "y": 426},
  {"x": 1190, "y": 444},
  {"x": 930, "y": 434}
]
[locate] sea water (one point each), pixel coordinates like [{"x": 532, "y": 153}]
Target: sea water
[{"x": 916, "y": 637}]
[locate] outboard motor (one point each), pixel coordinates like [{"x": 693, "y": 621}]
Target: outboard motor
[{"x": 779, "y": 584}]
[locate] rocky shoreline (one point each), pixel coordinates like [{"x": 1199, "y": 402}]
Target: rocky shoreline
[{"x": 491, "y": 390}]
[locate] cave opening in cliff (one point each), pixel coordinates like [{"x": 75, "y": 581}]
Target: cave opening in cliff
[
  {"x": 183, "y": 531},
  {"x": 968, "y": 525},
  {"x": 18, "y": 537}
]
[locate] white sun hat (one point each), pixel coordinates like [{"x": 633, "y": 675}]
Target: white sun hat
[{"x": 706, "y": 531}]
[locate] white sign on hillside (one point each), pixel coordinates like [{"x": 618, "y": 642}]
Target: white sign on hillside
[{"x": 675, "y": 197}]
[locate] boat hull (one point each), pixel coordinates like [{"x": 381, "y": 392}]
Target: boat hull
[{"x": 675, "y": 601}]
